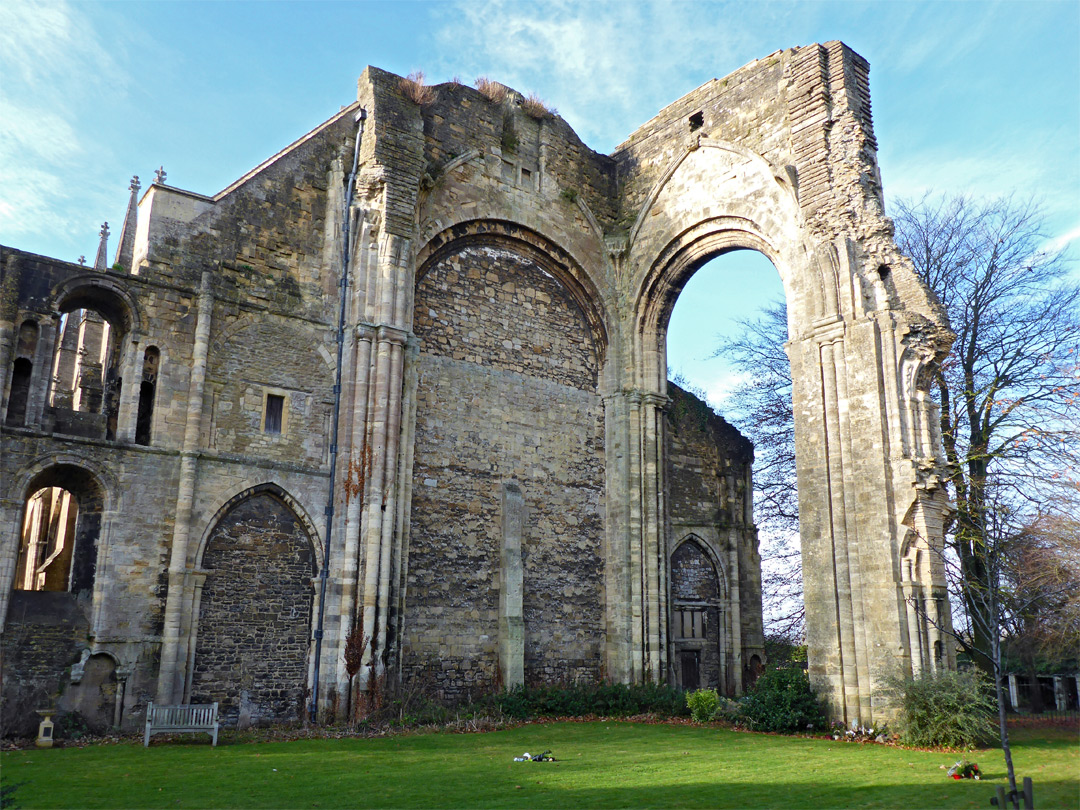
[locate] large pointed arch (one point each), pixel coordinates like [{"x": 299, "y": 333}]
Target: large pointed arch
[{"x": 253, "y": 603}]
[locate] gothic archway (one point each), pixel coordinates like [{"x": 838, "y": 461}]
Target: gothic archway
[{"x": 254, "y": 611}]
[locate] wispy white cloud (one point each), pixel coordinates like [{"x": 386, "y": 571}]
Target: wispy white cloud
[
  {"x": 601, "y": 63},
  {"x": 1009, "y": 162},
  {"x": 1064, "y": 240},
  {"x": 54, "y": 64},
  {"x": 926, "y": 36}
]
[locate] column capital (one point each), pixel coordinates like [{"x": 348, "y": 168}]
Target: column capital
[{"x": 391, "y": 334}]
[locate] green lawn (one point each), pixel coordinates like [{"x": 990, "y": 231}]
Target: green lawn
[{"x": 600, "y": 764}]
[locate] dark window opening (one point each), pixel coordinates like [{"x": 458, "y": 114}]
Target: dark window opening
[
  {"x": 21, "y": 372},
  {"x": 697, "y": 121},
  {"x": 690, "y": 661},
  {"x": 275, "y": 409},
  {"x": 690, "y": 623},
  {"x": 145, "y": 417}
]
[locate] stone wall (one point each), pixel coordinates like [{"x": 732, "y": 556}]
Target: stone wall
[
  {"x": 506, "y": 392},
  {"x": 709, "y": 484},
  {"x": 44, "y": 635},
  {"x": 255, "y": 619}
]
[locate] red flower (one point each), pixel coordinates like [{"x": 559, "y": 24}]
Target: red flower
[{"x": 956, "y": 776}]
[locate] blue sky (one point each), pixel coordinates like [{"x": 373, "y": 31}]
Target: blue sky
[{"x": 975, "y": 97}]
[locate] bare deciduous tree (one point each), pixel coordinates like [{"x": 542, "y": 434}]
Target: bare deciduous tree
[
  {"x": 761, "y": 408},
  {"x": 1009, "y": 391}
]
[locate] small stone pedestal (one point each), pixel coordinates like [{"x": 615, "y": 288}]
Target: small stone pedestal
[{"x": 45, "y": 729}]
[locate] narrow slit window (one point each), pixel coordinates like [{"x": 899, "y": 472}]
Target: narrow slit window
[{"x": 275, "y": 409}]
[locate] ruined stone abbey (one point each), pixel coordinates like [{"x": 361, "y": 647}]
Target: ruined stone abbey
[{"x": 405, "y": 382}]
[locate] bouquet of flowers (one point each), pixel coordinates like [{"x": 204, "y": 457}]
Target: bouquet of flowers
[{"x": 965, "y": 770}]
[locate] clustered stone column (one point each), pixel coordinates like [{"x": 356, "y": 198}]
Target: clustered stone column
[{"x": 171, "y": 681}]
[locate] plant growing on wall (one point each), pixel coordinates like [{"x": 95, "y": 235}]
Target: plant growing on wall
[
  {"x": 493, "y": 91},
  {"x": 535, "y": 107},
  {"x": 414, "y": 89}
]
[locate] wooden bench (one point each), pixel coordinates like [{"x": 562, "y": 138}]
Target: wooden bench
[{"x": 193, "y": 719}]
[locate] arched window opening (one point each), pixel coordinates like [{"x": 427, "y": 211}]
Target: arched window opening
[
  {"x": 144, "y": 420},
  {"x": 28, "y": 337},
  {"x": 59, "y": 533},
  {"x": 86, "y": 382},
  {"x": 701, "y": 644},
  {"x": 48, "y": 541},
  {"x": 21, "y": 372}
]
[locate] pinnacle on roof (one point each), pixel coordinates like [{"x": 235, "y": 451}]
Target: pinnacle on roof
[
  {"x": 125, "y": 251},
  {"x": 100, "y": 263}
]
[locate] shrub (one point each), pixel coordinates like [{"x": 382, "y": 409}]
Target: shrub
[
  {"x": 781, "y": 700},
  {"x": 947, "y": 709},
  {"x": 414, "y": 89},
  {"x": 784, "y": 651},
  {"x": 703, "y": 704}
]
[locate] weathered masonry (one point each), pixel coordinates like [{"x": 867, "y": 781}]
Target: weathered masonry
[{"x": 519, "y": 496}]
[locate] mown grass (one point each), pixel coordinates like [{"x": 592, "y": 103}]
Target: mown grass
[{"x": 600, "y": 765}]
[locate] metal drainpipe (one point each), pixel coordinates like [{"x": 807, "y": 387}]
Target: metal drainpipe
[{"x": 324, "y": 574}]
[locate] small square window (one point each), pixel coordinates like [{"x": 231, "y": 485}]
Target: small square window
[{"x": 275, "y": 410}]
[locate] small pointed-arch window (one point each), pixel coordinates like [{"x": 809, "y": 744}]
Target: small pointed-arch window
[{"x": 144, "y": 420}]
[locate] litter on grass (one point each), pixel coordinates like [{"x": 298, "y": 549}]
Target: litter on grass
[{"x": 527, "y": 757}]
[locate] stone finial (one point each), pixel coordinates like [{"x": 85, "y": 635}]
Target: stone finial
[
  {"x": 159, "y": 175},
  {"x": 103, "y": 248},
  {"x": 82, "y": 260},
  {"x": 125, "y": 250}
]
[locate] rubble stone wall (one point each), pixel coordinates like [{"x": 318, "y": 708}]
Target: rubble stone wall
[
  {"x": 506, "y": 392},
  {"x": 255, "y": 619}
]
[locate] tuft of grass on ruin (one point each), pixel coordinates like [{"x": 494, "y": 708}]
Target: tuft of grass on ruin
[{"x": 600, "y": 764}]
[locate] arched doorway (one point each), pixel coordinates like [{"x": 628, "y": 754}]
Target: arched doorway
[
  {"x": 700, "y": 634},
  {"x": 254, "y": 611}
]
